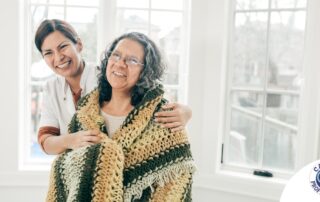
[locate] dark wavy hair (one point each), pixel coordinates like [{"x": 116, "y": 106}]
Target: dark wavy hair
[
  {"x": 150, "y": 76},
  {"x": 48, "y": 26}
]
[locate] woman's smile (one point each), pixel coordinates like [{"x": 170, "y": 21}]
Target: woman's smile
[
  {"x": 64, "y": 65},
  {"x": 119, "y": 74}
]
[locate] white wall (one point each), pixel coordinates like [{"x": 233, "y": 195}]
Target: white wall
[
  {"x": 206, "y": 59},
  {"x": 9, "y": 86}
]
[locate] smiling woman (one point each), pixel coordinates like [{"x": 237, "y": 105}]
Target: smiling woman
[
  {"x": 135, "y": 159},
  {"x": 61, "y": 50},
  {"x": 125, "y": 78}
]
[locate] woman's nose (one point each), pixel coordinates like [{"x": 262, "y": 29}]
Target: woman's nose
[
  {"x": 58, "y": 56},
  {"x": 121, "y": 62}
]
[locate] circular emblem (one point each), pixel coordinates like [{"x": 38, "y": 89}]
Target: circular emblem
[{"x": 315, "y": 178}]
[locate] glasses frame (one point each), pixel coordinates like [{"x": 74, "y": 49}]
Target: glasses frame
[{"x": 129, "y": 61}]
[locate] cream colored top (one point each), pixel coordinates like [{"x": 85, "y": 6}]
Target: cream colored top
[{"x": 112, "y": 122}]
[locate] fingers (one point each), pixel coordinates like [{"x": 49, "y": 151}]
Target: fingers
[
  {"x": 92, "y": 139},
  {"x": 171, "y": 125},
  {"x": 83, "y": 144},
  {"x": 170, "y": 106},
  {"x": 91, "y": 132},
  {"x": 166, "y": 113},
  {"x": 176, "y": 129},
  {"x": 85, "y": 138},
  {"x": 167, "y": 119}
]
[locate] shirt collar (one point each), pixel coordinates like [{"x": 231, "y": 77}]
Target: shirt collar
[{"x": 83, "y": 80}]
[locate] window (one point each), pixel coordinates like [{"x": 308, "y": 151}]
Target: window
[
  {"x": 151, "y": 17},
  {"x": 265, "y": 85},
  {"x": 89, "y": 19},
  {"x": 39, "y": 72}
]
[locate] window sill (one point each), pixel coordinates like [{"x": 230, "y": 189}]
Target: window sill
[
  {"x": 24, "y": 178},
  {"x": 243, "y": 184}
]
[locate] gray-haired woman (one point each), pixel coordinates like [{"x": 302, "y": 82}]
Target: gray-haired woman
[{"x": 137, "y": 159}]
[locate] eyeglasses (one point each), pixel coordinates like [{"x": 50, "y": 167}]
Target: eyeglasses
[{"x": 130, "y": 61}]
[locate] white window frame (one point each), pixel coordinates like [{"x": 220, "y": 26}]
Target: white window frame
[
  {"x": 25, "y": 162},
  {"x": 260, "y": 116},
  {"x": 212, "y": 175}
]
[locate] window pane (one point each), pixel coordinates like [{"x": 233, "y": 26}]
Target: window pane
[
  {"x": 133, "y": 3},
  {"x": 289, "y": 3},
  {"x": 243, "y": 139},
  {"x": 47, "y": 1},
  {"x": 56, "y": 12},
  {"x": 132, "y": 20},
  {"x": 249, "y": 49},
  {"x": 252, "y": 4},
  {"x": 39, "y": 13},
  {"x": 279, "y": 148},
  {"x": 168, "y": 32},
  {"x": 286, "y": 49},
  {"x": 172, "y": 73},
  {"x": 171, "y": 94},
  {"x": 36, "y": 100},
  {"x": 249, "y": 100},
  {"x": 83, "y": 2},
  {"x": 56, "y": 1},
  {"x": 88, "y": 15},
  {"x": 283, "y": 108},
  {"x": 167, "y": 4},
  {"x": 39, "y": 1},
  {"x": 40, "y": 72}
]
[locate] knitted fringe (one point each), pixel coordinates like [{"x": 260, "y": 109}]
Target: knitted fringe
[{"x": 160, "y": 177}]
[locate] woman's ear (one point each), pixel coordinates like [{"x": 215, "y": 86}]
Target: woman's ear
[{"x": 79, "y": 45}]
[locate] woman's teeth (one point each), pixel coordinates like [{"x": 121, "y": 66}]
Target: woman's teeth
[
  {"x": 119, "y": 74},
  {"x": 64, "y": 65}
]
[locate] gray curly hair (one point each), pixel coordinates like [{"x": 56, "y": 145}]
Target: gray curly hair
[{"x": 150, "y": 76}]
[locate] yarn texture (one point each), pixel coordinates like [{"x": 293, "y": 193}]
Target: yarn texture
[{"x": 141, "y": 162}]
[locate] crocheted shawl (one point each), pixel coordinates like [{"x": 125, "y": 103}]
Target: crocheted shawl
[{"x": 141, "y": 162}]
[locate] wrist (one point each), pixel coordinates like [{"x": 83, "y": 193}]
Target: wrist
[{"x": 66, "y": 141}]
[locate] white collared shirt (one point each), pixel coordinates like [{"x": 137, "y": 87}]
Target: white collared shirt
[{"x": 57, "y": 104}]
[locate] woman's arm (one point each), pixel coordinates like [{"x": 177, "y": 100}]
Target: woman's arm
[
  {"x": 175, "y": 116},
  {"x": 56, "y": 144}
]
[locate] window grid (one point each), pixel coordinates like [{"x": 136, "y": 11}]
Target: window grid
[
  {"x": 33, "y": 157},
  {"x": 263, "y": 117},
  {"x": 179, "y": 88},
  {"x": 42, "y": 162}
]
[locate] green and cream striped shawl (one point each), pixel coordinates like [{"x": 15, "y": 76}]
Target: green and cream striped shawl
[{"x": 141, "y": 162}]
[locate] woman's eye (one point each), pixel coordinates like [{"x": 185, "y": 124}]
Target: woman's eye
[
  {"x": 116, "y": 55},
  {"x": 133, "y": 61},
  {"x": 47, "y": 54}
]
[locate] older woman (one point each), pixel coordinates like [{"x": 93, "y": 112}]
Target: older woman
[{"x": 137, "y": 159}]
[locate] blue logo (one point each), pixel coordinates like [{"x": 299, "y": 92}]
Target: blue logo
[{"x": 315, "y": 178}]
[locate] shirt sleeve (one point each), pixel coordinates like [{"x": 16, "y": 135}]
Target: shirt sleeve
[
  {"x": 49, "y": 123},
  {"x": 45, "y": 132},
  {"x": 48, "y": 115}
]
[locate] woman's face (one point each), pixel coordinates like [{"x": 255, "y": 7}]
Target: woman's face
[
  {"x": 62, "y": 55},
  {"x": 125, "y": 65}
]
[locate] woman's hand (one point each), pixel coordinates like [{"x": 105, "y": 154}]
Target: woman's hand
[
  {"x": 83, "y": 138},
  {"x": 175, "y": 116}
]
